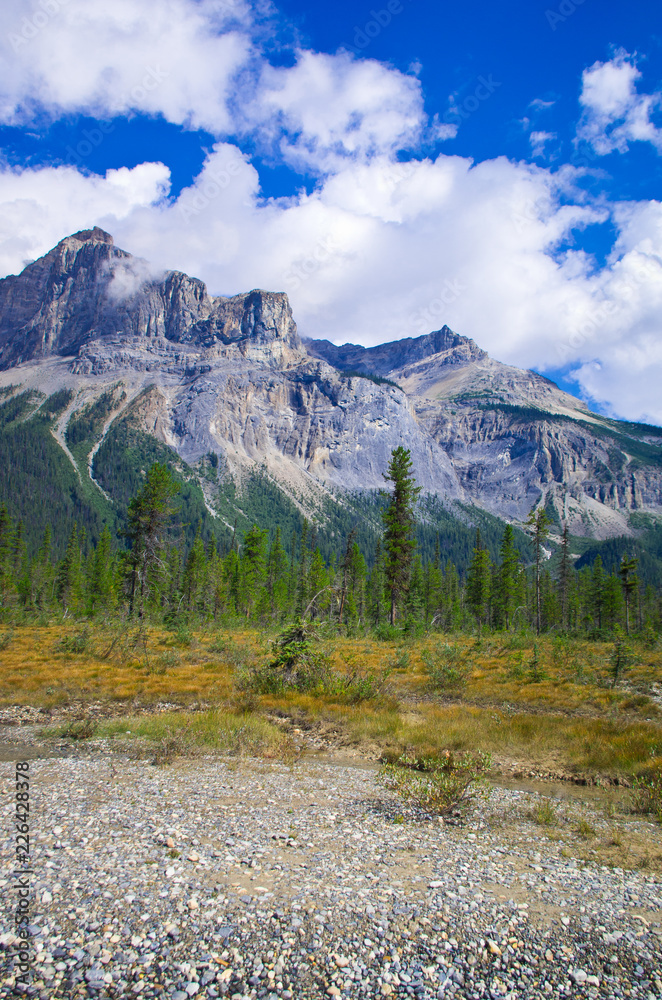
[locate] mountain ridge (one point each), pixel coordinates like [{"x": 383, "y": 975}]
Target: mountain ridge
[{"x": 230, "y": 376}]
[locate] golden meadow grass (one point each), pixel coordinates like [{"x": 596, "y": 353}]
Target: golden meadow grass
[{"x": 566, "y": 715}]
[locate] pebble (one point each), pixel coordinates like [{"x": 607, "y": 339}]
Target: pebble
[{"x": 310, "y": 881}]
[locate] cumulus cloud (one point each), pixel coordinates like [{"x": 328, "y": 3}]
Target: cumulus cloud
[
  {"x": 327, "y": 108},
  {"x": 615, "y": 114},
  {"x": 381, "y": 248},
  {"x": 39, "y": 207},
  {"x": 169, "y": 57}
]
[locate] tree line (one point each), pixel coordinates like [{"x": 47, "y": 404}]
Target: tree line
[{"x": 256, "y": 579}]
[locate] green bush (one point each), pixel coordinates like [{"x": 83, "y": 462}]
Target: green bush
[
  {"x": 298, "y": 665},
  {"x": 76, "y": 643},
  {"x": 445, "y": 666},
  {"x": 400, "y": 660},
  {"x": 295, "y": 665},
  {"x": 647, "y": 794},
  {"x": 436, "y": 784},
  {"x": 387, "y": 632}
]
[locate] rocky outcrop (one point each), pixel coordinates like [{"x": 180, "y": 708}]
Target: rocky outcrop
[
  {"x": 447, "y": 347},
  {"x": 229, "y": 375},
  {"x": 86, "y": 289}
]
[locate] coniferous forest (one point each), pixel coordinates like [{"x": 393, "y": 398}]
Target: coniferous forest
[{"x": 156, "y": 564}]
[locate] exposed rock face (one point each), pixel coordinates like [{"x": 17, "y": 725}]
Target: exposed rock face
[
  {"x": 231, "y": 376},
  {"x": 87, "y": 289},
  {"x": 386, "y": 359}
]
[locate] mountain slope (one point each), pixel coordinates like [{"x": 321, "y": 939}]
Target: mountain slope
[{"x": 154, "y": 357}]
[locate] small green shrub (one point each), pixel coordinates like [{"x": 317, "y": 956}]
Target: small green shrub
[
  {"x": 536, "y": 672},
  {"x": 544, "y": 813},
  {"x": 436, "y": 784},
  {"x": 6, "y": 639},
  {"x": 387, "y": 632},
  {"x": 585, "y": 830},
  {"x": 400, "y": 660},
  {"x": 79, "y": 729},
  {"x": 358, "y": 685},
  {"x": 621, "y": 656},
  {"x": 445, "y": 666},
  {"x": 295, "y": 665},
  {"x": 76, "y": 643},
  {"x": 183, "y": 635},
  {"x": 168, "y": 659},
  {"x": 647, "y": 793}
]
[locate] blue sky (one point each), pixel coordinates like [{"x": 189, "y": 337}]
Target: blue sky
[{"x": 393, "y": 167}]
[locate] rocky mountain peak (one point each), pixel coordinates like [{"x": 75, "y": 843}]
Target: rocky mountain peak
[
  {"x": 95, "y": 235},
  {"x": 86, "y": 290},
  {"x": 447, "y": 346}
]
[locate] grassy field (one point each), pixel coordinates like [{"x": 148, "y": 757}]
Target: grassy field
[{"x": 552, "y": 704}]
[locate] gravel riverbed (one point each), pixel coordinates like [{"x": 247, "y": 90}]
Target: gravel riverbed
[{"x": 221, "y": 878}]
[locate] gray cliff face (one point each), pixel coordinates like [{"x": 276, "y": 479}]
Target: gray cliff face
[
  {"x": 447, "y": 347},
  {"x": 87, "y": 289},
  {"x": 230, "y": 375}
]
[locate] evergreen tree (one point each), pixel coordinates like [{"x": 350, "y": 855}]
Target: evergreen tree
[
  {"x": 507, "y": 578},
  {"x": 596, "y": 593},
  {"x": 629, "y": 584},
  {"x": 277, "y": 576},
  {"x": 478, "y": 582},
  {"x": 538, "y": 522},
  {"x": 415, "y": 605},
  {"x": 193, "y": 581},
  {"x": 101, "y": 576},
  {"x": 433, "y": 584},
  {"x": 6, "y": 554},
  {"x": 149, "y": 516},
  {"x": 612, "y": 602},
  {"x": 253, "y": 569},
  {"x": 69, "y": 584},
  {"x": 564, "y": 575},
  {"x": 42, "y": 576},
  {"x": 375, "y": 607},
  {"x": 398, "y": 517},
  {"x": 318, "y": 580}
]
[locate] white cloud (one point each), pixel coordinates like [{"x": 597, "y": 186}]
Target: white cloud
[
  {"x": 327, "y": 108},
  {"x": 538, "y": 142},
  {"x": 615, "y": 114},
  {"x": 170, "y": 57},
  {"x": 381, "y": 249},
  {"x": 39, "y": 207}
]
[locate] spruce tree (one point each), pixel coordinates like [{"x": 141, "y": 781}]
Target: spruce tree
[
  {"x": 564, "y": 575},
  {"x": 149, "y": 516},
  {"x": 538, "y": 523},
  {"x": 507, "y": 577},
  {"x": 398, "y": 517},
  {"x": 253, "y": 569},
  {"x": 629, "y": 584},
  {"x": 101, "y": 582},
  {"x": 478, "y": 582}
]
